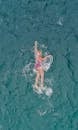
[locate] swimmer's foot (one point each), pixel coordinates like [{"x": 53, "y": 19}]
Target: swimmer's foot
[
  {"x": 36, "y": 86},
  {"x": 42, "y": 88},
  {"x": 37, "y": 89}
]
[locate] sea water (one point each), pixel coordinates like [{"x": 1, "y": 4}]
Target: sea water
[{"x": 54, "y": 24}]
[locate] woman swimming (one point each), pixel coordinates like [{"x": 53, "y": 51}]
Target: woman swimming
[{"x": 38, "y": 66}]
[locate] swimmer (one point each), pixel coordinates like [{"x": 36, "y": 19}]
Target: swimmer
[{"x": 38, "y": 67}]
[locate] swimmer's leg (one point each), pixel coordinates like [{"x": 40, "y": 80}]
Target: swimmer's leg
[
  {"x": 37, "y": 79},
  {"x": 42, "y": 78}
]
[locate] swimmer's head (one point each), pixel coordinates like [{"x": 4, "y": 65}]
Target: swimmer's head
[{"x": 39, "y": 53}]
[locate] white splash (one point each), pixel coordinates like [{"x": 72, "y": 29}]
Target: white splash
[
  {"x": 27, "y": 70},
  {"x": 60, "y": 21},
  {"x": 49, "y": 92},
  {"x": 42, "y": 113}
]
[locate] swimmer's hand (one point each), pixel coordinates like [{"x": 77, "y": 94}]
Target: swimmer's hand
[
  {"x": 36, "y": 43},
  {"x": 35, "y": 48},
  {"x": 46, "y": 57}
]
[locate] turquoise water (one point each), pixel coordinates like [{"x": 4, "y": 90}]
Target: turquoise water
[{"x": 54, "y": 23}]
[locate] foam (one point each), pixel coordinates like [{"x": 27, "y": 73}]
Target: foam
[
  {"x": 48, "y": 92},
  {"x": 47, "y": 63}
]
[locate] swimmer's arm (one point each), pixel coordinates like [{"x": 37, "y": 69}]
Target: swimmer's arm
[
  {"x": 35, "y": 49},
  {"x": 44, "y": 58}
]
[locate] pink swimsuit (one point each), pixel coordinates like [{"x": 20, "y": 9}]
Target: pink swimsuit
[{"x": 37, "y": 65}]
